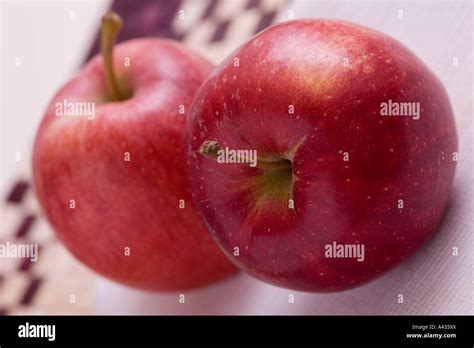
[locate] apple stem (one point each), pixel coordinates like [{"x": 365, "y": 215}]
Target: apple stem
[
  {"x": 210, "y": 149},
  {"x": 111, "y": 25}
]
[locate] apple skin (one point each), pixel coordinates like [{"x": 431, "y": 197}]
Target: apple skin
[
  {"x": 134, "y": 203},
  {"x": 245, "y": 104}
]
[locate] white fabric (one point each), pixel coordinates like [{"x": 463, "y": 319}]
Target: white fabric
[{"x": 433, "y": 281}]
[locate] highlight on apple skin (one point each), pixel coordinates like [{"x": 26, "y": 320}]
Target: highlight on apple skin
[
  {"x": 356, "y": 149},
  {"x": 111, "y": 178}
]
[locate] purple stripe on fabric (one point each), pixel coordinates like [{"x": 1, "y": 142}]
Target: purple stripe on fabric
[
  {"x": 144, "y": 18},
  {"x": 18, "y": 192},
  {"x": 31, "y": 291},
  {"x": 253, "y": 4},
  {"x": 26, "y": 264},
  {"x": 210, "y": 9},
  {"x": 220, "y": 31},
  {"x": 266, "y": 20},
  {"x": 25, "y": 226}
]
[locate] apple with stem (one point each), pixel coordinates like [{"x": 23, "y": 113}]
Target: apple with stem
[
  {"x": 356, "y": 150},
  {"x": 109, "y": 166}
]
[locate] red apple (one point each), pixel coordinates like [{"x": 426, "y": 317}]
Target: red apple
[
  {"x": 112, "y": 183},
  {"x": 341, "y": 193}
]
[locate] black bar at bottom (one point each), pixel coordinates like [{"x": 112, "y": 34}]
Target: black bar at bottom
[{"x": 137, "y": 330}]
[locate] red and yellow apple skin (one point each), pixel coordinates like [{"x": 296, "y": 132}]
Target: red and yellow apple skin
[
  {"x": 334, "y": 75},
  {"x": 119, "y": 204}
]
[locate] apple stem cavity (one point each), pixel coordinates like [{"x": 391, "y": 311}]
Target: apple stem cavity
[
  {"x": 111, "y": 25},
  {"x": 211, "y": 149}
]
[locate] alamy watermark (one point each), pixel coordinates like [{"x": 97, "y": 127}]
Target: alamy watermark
[
  {"x": 345, "y": 251},
  {"x": 75, "y": 109},
  {"x": 23, "y": 251},
  {"x": 227, "y": 155},
  {"x": 405, "y": 109},
  {"x": 28, "y": 330}
]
